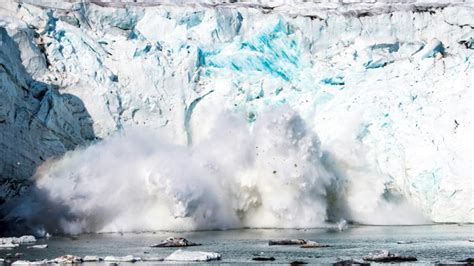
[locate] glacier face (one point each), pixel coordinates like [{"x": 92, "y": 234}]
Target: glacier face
[
  {"x": 36, "y": 121},
  {"x": 386, "y": 87}
]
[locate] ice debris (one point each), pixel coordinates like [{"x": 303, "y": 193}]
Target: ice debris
[
  {"x": 67, "y": 259},
  {"x": 13, "y": 242},
  {"x": 313, "y": 244},
  {"x": 128, "y": 258},
  {"x": 175, "y": 242},
  {"x": 38, "y": 246},
  {"x": 401, "y": 242},
  {"x": 387, "y": 256},
  {"x": 92, "y": 259},
  {"x": 27, "y": 263},
  {"x": 181, "y": 255},
  {"x": 8, "y": 245},
  {"x": 153, "y": 259},
  {"x": 18, "y": 240},
  {"x": 342, "y": 225}
]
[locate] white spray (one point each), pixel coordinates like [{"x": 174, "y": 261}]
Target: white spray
[{"x": 269, "y": 176}]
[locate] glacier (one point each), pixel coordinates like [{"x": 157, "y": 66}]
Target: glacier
[{"x": 224, "y": 115}]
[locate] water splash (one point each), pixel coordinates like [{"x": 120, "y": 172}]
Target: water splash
[
  {"x": 267, "y": 176},
  {"x": 271, "y": 173}
]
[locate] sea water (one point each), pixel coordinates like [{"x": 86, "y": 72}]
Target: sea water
[{"x": 431, "y": 244}]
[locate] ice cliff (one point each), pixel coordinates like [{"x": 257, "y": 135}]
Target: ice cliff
[
  {"x": 381, "y": 94},
  {"x": 36, "y": 121}
]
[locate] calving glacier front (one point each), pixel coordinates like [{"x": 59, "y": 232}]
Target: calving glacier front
[
  {"x": 256, "y": 116},
  {"x": 139, "y": 180}
]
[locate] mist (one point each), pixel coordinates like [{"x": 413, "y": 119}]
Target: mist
[{"x": 271, "y": 174}]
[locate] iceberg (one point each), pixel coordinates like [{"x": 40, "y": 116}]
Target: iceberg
[{"x": 181, "y": 255}]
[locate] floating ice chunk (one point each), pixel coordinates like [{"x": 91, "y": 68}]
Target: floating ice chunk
[
  {"x": 387, "y": 256},
  {"x": 13, "y": 256},
  {"x": 26, "y": 239},
  {"x": 128, "y": 258},
  {"x": 5, "y": 240},
  {"x": 180, "y": 255},
  {"x": 313, "y": 244},
  {"x": 153, "y": 259},
  {"x": 8, "y": 245},
  {"x": 401, "y": 242},
  {"x": 26, "y": 262},
  {"x": 175, "y": 242},
  {"x": 18, "y": 240},
  {"x": 38, "y": 246},
  {"x": 13, "y": 242},
  {"x": 67, "y": 259},
  {"x": 92, "y": 259}
]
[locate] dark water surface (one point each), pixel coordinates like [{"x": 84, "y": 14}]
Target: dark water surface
[{"x": 431, "y": 244}]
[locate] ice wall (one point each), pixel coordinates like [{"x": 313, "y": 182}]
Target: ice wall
[
  {"x": 386, "y": 87},
  {"x": 36, "y": 121}
]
